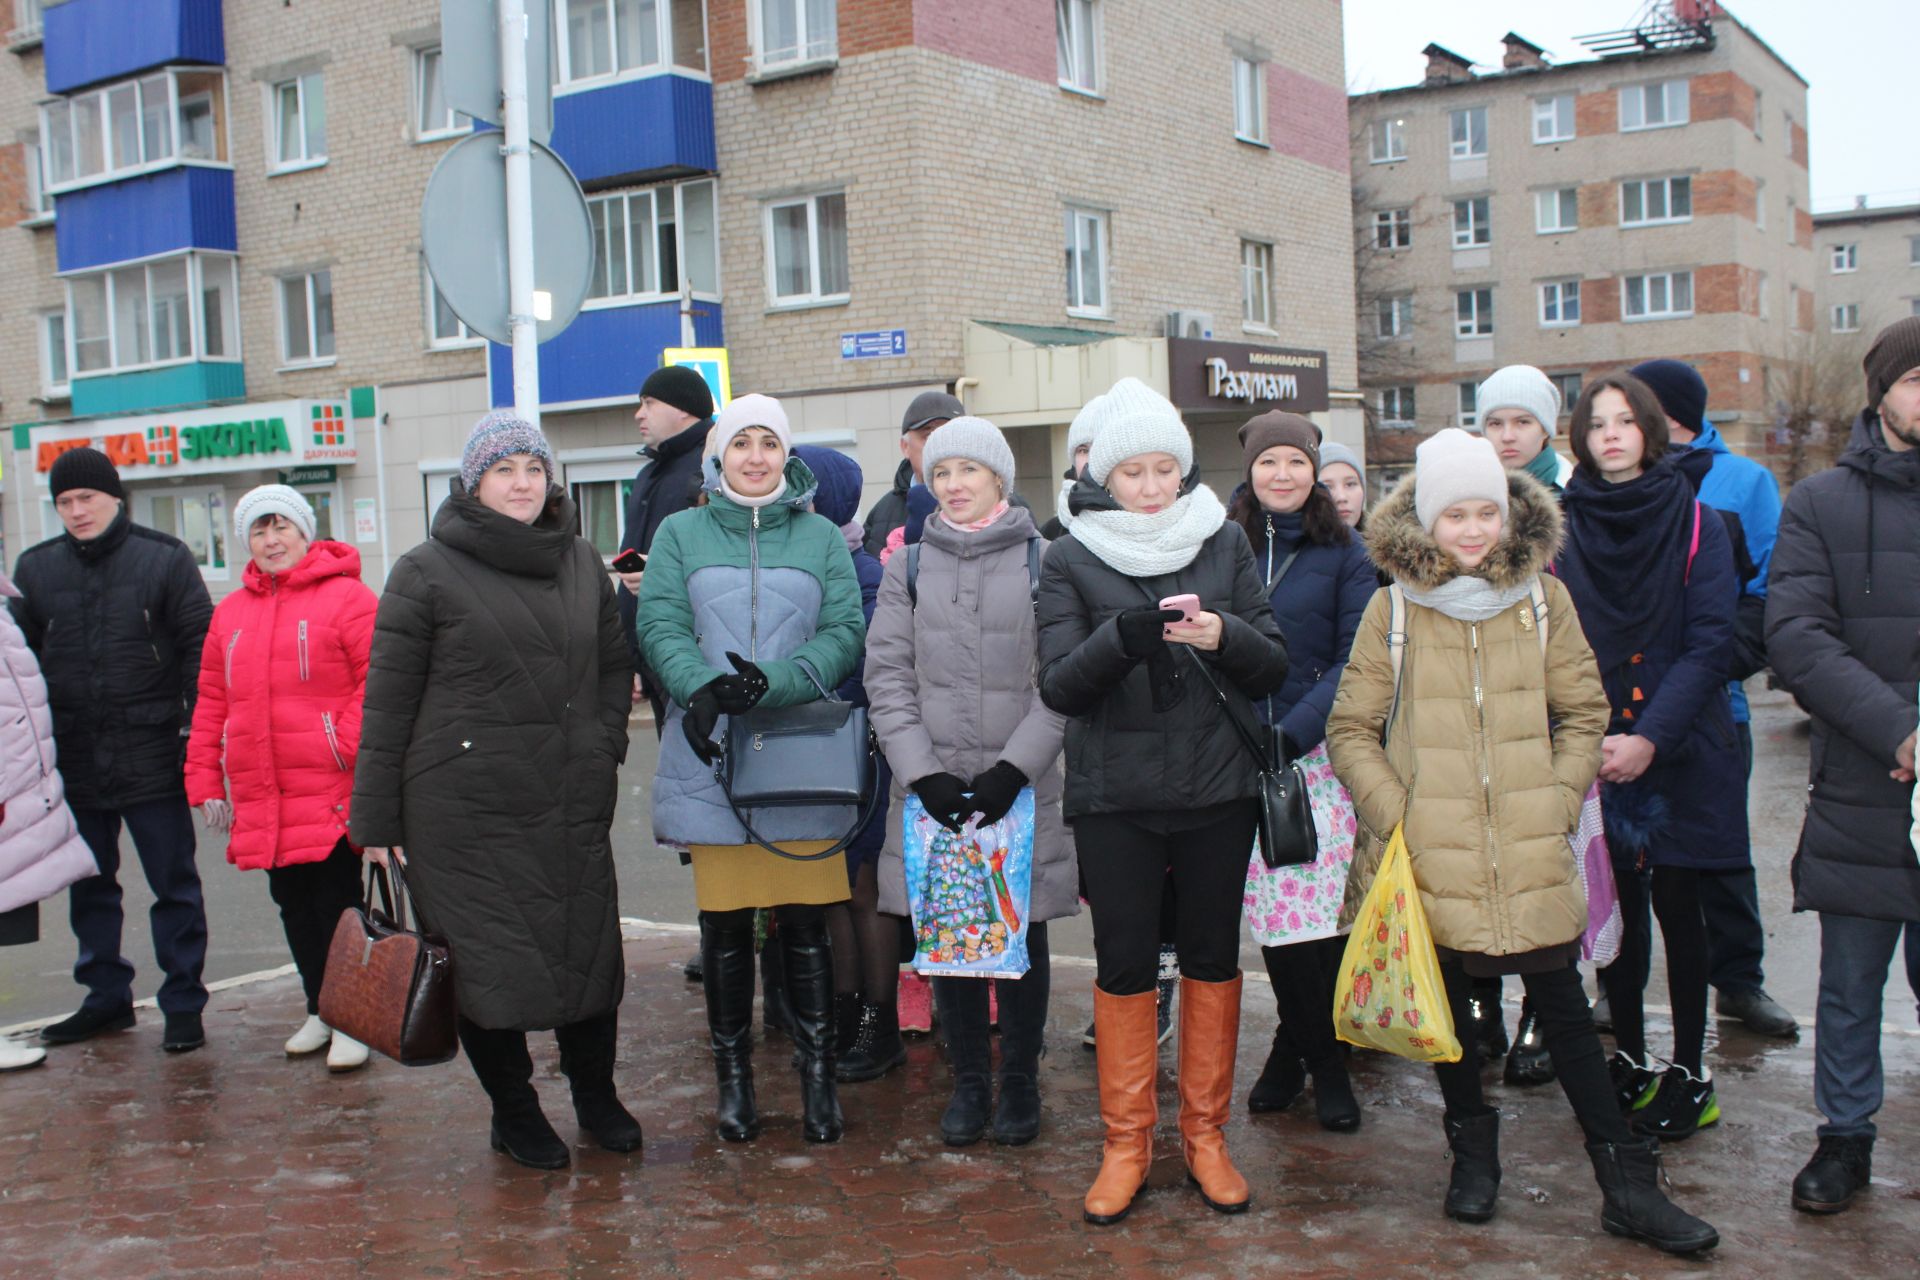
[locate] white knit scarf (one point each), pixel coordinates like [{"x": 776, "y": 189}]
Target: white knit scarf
[
  {"x": 1145, "y": 546},
  {"x": 1469, "y": 599}
]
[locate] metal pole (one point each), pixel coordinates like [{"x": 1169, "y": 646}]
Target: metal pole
[{"x": 518, "y": 151}]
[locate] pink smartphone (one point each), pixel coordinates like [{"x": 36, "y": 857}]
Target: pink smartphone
[{"x": 1188, "y": 605}]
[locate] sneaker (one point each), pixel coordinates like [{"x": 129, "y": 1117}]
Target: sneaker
[
  {"x": 1633, "y": 1082},
  {"x": 916, "y": 1004},
  {"x": 88, "y": 1023},
  {"x": 1683, "y": 1105},
  {"x": 345, "y": 1054},
  {"x": 1757, "y": 1011},
  {"x": 184, "y": 1033},
  {"x": 18, "y": 1057},
  {"x": 312, "y": 1037},
  {"x": 1840, "y": 1169}
]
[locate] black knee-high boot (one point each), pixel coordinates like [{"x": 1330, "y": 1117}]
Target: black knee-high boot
[
  {"x": 505, "y": 1069},
  {"x": 586, "y": 1056},
  {"x": 1023, "y": 1030},
  {"x": 726, "y": 962},
  {"x": 809, "y": 961}
]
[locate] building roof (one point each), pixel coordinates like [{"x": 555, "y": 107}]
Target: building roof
[
  {"x": 1047, "y": 335},
  {"x": 1855, "y": 217}
]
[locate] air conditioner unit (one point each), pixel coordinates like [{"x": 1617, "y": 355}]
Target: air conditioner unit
[{"x": 1189, "y": 324}]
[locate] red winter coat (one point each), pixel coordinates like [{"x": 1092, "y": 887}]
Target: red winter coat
[{"x": 281, "y": 682}]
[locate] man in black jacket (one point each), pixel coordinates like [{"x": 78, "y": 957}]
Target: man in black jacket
[
  {"x": 929, "y": 411},
  {"x": 1843, "y": 603},
  {"x": 118, "y": 615},
  {"x": 676, "y": 409}
]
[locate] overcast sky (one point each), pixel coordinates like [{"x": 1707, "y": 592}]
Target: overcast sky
[{"x": 1858, "y": 58}]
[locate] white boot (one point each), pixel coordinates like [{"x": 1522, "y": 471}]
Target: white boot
[
  {"x": 18, "y": 1057},
  {"x": 312, "y": 1037},
  {"x": 346, "y": 1054}
]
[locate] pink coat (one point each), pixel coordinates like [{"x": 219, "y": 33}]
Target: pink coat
[
  {"x": 41, "y": 851},
  {"x": 281, "y": 682}
]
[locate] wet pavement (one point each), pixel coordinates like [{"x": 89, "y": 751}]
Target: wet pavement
[{"x": 117, "y": 1160}]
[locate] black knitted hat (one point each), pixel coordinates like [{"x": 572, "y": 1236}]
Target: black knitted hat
[{"x": 84, "y": 469}]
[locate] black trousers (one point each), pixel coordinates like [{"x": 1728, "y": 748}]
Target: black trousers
[
  {"x": 162, "y": 832},
  {"x": 1566, "y": 1023},
  {"x": 311, "y": 896},
  {"x": 1126, "y": 869},
  {"x": 1674, "y": 894}
]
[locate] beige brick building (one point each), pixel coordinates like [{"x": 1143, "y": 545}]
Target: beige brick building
[
  {"x": 1867, "y": 264},
  {"x": 1581, "y": 217}
]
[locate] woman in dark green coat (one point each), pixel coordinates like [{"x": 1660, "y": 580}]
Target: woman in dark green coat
[{"x": 496, "y": 719}]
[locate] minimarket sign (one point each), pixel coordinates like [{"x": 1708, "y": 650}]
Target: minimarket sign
[{"x": 283, "y": 434}]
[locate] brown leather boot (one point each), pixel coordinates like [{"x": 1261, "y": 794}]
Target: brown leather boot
[
  {"x": 1126, "y": 1046},
  {"x": 1209, "y": 1035}
]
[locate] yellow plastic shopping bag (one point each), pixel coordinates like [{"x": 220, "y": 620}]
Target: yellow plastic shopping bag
[{"x": 1390, "y": 996}]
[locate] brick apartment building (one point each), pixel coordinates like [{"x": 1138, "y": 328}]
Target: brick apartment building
[
  {"x": 1581, "y": 216},
  {"x": 1868, "y": 270},
  {"x": 215, "y": 265}
]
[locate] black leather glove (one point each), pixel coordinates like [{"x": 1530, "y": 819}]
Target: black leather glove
[
  {"x": 739, "y": 693},
  {"x": 995, "y": 791},
  {"x": 703, "y": 714},
  {"x": 1142, "y": 629},
  {"x": 945, "y": 797}
]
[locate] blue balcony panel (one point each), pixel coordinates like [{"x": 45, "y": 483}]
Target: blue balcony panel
[
  {"x": 660, "y": 125},
  {"x": 174, "y": 387},
  {"x": 89, "y": 41},
  {"x": 605, "y": 352},
  {"x": 190, "y": 207}
]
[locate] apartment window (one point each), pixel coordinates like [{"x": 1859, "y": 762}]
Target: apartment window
[
  {"x": 432, "y": 117},
  {"x": 1759, "y": 114},
  {"x": 1256, "y": 283},
  {"x": 1559, "y": 303},
  {"x": 1249, "y": 100},
  {"x": 1467, "y": 132},
  {"x": 807, "y": 249},
  {"x": 1086, "y": 262},
  {"x": 1553, "y": 118},
  {"x": 646, "y": 242},
  {"x": 26, "y": 19},
  {"x": 1393, "y": 228},
  {"x": 1387, "y": 140},
  {"x": 1763, "y": 295},
  {"x": 1393, "y": 317},
  {"x": 1396, "y": 406},
  {"x": 1568, "y": 384},
  {"x": 445, "y": 330},
  {"x": 607, "y": 36},
  {"x": 1656, "y": 200},
  {"x": 1653, "y": 106},
  {"x": 33, "y": 161},
  {"x": 1472, "y": 225},
  {"x": 1473, "y": 313},
  {"x": 1845, "y": 258},
  {"x": 1760, "y": 204},
  {"x": 1556, "y": 211},
  {"x": 53, "y": 355},
  {"x": 790, "y": 32},
  {"x": 1913, "y": 251},
  {"x": 1077, "y": 27},
  {"x": 299, "y": 123},
  {"x": 1468, "y": 416},
  {"x": 1786, "y": 132},
  {"x": 306, "y": 319},
  {"x": 1793, "y": 216},
  {"x": 602, "y": 508},
  {"x": 1846, "y": 318},
  {"x": 1658, "y": 296},
  {"x": 160, "y": 119},
  {"x": 157, "y": 313}
]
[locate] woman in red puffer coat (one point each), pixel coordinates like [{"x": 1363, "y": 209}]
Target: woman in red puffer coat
[{"x": 277, "y": 728}]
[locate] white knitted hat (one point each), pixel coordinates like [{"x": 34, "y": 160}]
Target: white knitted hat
[
  {"x": 1129, "y": 420},
  {"x": 1452, "y": 466},
  {"x": 751, "y": 410},
  {"x": 272, "y": 500},
  {"x": 1520, "y": 386},
  {"x": 969, "y": 437},
  {"x": 1080, "y": 430}
]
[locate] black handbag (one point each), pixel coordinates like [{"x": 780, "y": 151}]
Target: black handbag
[
  {"x": 1287, "y": 835},
  {"x": 815, "y": 754}
]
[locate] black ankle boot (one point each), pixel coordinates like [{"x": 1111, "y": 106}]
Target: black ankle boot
[
  {"x": 809, "y": 979},
  {"x": 1475, "y": 1183},
  {"x": 1529, "y": 1063},
  {"x": 727, "y": 975},
  {"x": 1629, "y": 1177},
  {"x": 1282, "y": 1080},
  {"x": 505, "y": 1070},
  {"x": 875, "y": 1048},
  {"x": 587, "y": 1057},
  {"x": 1840, "y": 1169},
  {"x": 1333, "y": 1102}
]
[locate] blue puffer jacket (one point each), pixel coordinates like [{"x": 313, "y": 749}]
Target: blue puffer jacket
[{"x": 1318, "y": 606}]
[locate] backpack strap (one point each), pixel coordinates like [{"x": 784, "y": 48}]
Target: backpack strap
[
  {"x": 1693, "y": 548},
  {"x": 1035, "y": 546},
  {"x": 913, "y": 575},
  {"x": 1396, "y": 649},
  {"x": 1035, "y": 549}
]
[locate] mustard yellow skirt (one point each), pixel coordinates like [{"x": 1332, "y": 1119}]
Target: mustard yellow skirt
[{"x": 729, "y": 877}]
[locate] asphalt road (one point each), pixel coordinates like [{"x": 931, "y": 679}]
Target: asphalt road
[{"x": 36, "y": 982}]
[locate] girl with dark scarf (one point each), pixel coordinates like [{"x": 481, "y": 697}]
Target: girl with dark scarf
[{"x": 1652, "y": 576}]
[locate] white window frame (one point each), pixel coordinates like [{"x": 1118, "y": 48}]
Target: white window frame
[
  {"x": 1561, "y": 384},
  {"x": 1547, "y": 123},
  {"x": 1466, "y": 405},
  {"x": 1256, "y": 286},
  {"x": 1398, "y": 406},
  {"x": 1759, "y": 204},
  {"x": 1460, "y": 147},
  {"x": 1078, "y": 23},
  {"x": 1478, "y": 232},
  {"x": 173, "y": 156},
  {"x": 27, "y": 21},
  {"x": 675, "y": 194},
  {"x": 1393, "y": 317},
  {"x": 199, "y": 263},
  {"x": 813, "y": 297},
  {"x": 33, "y": 162},
  {"x": 52, "y": 388},
  {"x": 1669, "y": 187},
  {"x": 805, "y": 54},
  {"x": 1079, "y": 217},
  {"x": 1250, "y": 116},
  {"x": 464, "y": 339},
  {"x": 1843, "y": 259},
  {"x": 276, "y": 162},
  {"x": 1397, "y": 224},
  {"x": 290, "y": 360},
  {"x": 1844, "y": 317},
  {"x": 1675, "y": 105},
  {"x": 209, "y": 492},
  {"x": 1549, "y": 210},
  {"x": 1478, "y": 322},
  {"x": 589, "y": 467},
  {"x": 1669, "y": 281},
  {"x": 1389, "y": 131},
  {"x": 1559, "y": 303},
  {"x": 1759, "y": 114},
  {"x": 452, "y": 124},
  {"x": 564, "y": 78}
]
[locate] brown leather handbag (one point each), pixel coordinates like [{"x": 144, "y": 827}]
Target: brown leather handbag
[{"x": 388, "y": 986}]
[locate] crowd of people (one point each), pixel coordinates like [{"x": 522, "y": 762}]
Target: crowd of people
[{"x": 1512, "y": 635}]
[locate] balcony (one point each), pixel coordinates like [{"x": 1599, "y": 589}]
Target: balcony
[
  {"x": 195, "y": 383},
  {"x": 87, "y": 41},
  {"x": 605, "y": 354},
  {"x": 183, "y": 208},
  {"x": 655, "y": 126}
]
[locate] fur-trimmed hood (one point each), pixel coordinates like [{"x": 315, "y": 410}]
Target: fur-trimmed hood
[{"x": 1406, "y": 551}]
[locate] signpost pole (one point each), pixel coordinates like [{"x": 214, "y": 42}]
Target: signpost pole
[{"x": 517, "y": 149}]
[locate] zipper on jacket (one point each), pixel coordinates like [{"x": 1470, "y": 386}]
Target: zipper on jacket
[
  {"x": 753, "y": 578},
  {"x": 333, "y": 740},
  {"x": 26, "y": 707},
  {"x": 148, "y": 615},
  {"x": 303, "y": 648},
  {"x": 231, "y": 642},
  {"x": 1486, "y": 768}
]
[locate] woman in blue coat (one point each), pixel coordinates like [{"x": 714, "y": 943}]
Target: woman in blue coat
[
  {"x": 1318, "y": 580},
  {"x": 1652, "y": 575}
]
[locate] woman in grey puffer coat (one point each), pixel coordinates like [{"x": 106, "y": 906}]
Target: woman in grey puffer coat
[{"x": 952, "y": 683}]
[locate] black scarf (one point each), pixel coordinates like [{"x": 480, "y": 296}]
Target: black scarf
[{"x": 1626, "y": 553}]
